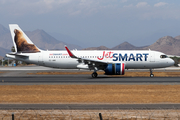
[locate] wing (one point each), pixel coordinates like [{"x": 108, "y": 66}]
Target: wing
[{"x": 101, "y": 65}]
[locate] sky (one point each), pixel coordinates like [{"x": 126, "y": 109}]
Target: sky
[{"x": 97, "y": 22}]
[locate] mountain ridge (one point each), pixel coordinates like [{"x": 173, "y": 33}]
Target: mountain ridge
[
  {"x": 39, "y": 37},
  {"x": 167, "y": 44}
]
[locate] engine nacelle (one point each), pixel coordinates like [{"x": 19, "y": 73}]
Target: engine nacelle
[{"x": 115, "y": 69}]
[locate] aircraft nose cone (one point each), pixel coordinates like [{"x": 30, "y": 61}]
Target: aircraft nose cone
[{"x": 171, "y": 62}]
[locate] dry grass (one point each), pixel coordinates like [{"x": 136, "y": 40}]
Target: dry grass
[
  {"x": 127, "y": 74},
  {"x": 90, "y": 94},
  {"x": 90, "y": 114}
]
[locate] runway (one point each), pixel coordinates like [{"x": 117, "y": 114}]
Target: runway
[
  {"x": 42, "y": 68},
  {"x": 88, "y": 106},
  {"x": 86, "y": 79},
  {"x": 20, "y": 77}
]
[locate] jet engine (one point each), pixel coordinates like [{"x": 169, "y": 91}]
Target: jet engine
[{"x": 115, "y": 69}]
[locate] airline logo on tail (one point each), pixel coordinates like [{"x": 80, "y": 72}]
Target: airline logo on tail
[{"x": 21, "y": 42}]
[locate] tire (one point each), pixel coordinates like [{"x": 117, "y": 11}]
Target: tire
[
  {"x": 151, "y": 75},
  {"x": 94, "y": 75}
]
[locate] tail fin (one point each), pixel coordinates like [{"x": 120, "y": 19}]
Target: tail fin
[{"x": 20, "y": 40}]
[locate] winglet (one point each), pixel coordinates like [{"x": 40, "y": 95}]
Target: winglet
[{"x": 70, "y": 53}]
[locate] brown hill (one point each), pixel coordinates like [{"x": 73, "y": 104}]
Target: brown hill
[
  {"x": 5, "y": 38},
  {"x": 1, "y": 57},
  {"x": 45, "y": 41},
  {"x": 3, "y": 51},
  {"x": 97, "y": 48},
  {"x": 177, "y": 37},
  {"x": 126, "y": 46},
  {"x": 122, "y": 46},
  {"x": 3, "y": 30},
  {"x": 167, "y": 45},
  {"x": 39, "y": 37}
]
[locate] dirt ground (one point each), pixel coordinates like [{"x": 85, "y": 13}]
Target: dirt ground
[{"x": 90, "y": 94}]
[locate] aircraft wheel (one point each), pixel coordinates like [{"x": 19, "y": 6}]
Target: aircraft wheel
[
  {"x": 151, "y": 75},
  {"x": 94, "y": 75}
]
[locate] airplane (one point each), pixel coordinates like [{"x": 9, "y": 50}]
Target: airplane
[{"x": 112, "y": 62}]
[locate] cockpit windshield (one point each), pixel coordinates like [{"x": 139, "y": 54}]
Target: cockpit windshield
[{"x": 163, "y": 56}]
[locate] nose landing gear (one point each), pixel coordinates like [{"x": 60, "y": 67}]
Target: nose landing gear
[{"x": 151, "y": 73}]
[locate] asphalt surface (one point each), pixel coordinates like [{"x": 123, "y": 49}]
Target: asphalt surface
[
  {"x": 19, "y": 76},
  {"x": 88, "y": 106},
  {"x": 86, "y": 80},
  {"x": 42, "y": 68}
]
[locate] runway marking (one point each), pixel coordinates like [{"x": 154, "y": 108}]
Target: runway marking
[{"x": 127, "y": 74}]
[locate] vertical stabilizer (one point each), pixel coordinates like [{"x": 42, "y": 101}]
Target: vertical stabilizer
[{"x": 20, "y": 40}]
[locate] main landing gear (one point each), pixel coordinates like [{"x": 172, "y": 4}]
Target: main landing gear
[
  {"x": 94, "y": 75},
  {"x": 151, "y": 73}
]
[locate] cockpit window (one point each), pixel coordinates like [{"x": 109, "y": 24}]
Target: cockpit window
[{"x": 163, "y": 56}]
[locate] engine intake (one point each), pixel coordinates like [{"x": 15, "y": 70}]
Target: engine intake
[{"x": 115, "y": 69}]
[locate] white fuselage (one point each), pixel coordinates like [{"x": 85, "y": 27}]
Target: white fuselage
[{"x": 137, "y": 59}]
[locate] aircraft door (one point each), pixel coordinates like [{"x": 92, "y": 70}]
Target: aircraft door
[
  {"x": 152, "y": 56},
  {"x": 40, "y": 59}
]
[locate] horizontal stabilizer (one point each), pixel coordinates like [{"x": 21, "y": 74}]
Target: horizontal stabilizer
[{"x": 13, "y": 55}]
